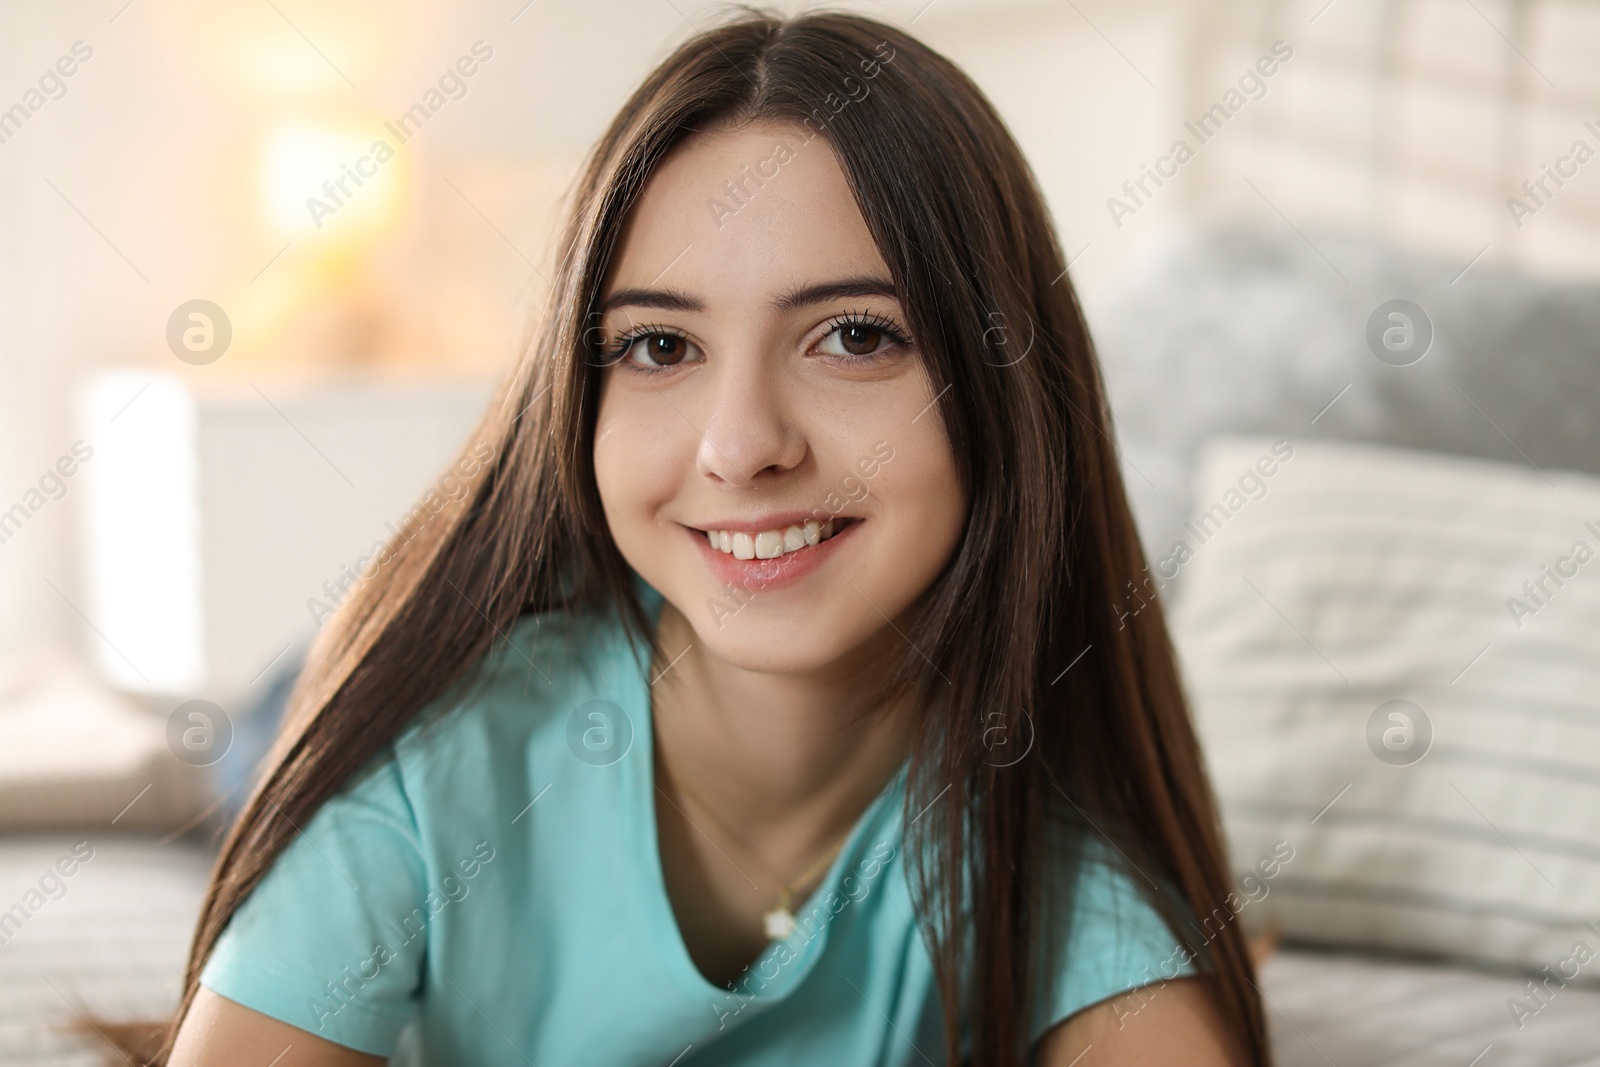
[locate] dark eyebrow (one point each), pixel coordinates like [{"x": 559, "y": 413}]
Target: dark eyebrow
[
  {"x": 801, "y": 296},
  {"x": 866, "y": 285},
  {"x": 668, "y": 299}
]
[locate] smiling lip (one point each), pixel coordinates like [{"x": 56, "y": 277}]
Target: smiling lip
[
  {"x": 757, "y": 575},
  {"x": 777, "y": 520}
]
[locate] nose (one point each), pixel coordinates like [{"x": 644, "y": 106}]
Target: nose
[{"x": 749, "y": 429}]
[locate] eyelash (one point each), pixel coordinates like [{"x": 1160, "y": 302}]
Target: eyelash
[
  {"x": 619, "y": 348},
  {"x": 872, "y": 320}
]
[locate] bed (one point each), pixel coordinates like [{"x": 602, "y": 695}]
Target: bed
[{"x": 116, "y": 942}]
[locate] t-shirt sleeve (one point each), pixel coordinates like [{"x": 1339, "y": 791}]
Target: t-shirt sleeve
[
  {"x": 1116, "y": 942},
  {"x": 332, "y": 938}
]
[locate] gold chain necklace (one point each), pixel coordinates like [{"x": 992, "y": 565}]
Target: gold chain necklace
[{"x": 779, "y": 920}]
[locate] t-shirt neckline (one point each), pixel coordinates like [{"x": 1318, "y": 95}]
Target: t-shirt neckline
[{"x": 791, "y": 956}]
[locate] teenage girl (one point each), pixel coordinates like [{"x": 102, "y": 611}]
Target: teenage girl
[{"x": 771, "y": 698}]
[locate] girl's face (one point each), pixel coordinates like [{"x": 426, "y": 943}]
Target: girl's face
[{"x": 762, "y": 388}]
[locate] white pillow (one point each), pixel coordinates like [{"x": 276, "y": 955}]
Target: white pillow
[{"x": 1466, "y": 822}]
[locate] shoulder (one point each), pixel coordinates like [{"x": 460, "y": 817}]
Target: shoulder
[
  {"x": 1108, "y": 937},
  {"x": 521, "y": 695},
  {"x": 1172, "y": 1022}
]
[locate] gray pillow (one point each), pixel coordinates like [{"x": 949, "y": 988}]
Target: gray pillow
[{"x": 1235, "y": 330}]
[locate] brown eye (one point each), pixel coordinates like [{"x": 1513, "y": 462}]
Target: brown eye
[
  {"x": 860, "y": 340},
  {"x": 664, "y": 349},
  {"x": 652, "y": 350}
]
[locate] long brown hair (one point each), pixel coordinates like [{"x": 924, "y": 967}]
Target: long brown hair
[{"x": 1027, "y": 624}]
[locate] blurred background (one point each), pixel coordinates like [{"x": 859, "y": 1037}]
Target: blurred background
[{"x": 1368, "y": 229}]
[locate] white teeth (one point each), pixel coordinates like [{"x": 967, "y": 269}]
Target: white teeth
[{"x": 770, "y": 544}]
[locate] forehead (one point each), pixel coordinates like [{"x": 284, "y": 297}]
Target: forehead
[{"x": 737, "y": 215}]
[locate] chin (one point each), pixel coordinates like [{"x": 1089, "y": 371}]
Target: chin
[{"x": 775, "y": 642}]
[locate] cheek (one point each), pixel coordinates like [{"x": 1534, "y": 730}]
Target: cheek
[
  {"x": 635, "y": 451},
  {"x": 915, "y": 505},
  {"x": 922, "y": 500},
  {"x": 915, "y": 495}
]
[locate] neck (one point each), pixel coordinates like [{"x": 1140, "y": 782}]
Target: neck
[{"x": 783, "y": 759}]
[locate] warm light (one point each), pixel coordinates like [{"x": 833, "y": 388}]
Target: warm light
[{"x": 339, "y": 183}]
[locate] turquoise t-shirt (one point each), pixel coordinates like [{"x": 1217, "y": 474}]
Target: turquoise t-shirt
[{"x": 495, "y": 881}]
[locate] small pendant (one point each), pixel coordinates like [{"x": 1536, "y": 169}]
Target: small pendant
[{"x": 779, "y": 923}]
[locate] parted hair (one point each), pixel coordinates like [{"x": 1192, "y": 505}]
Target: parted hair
[{"x": 1020, "y": 638}]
